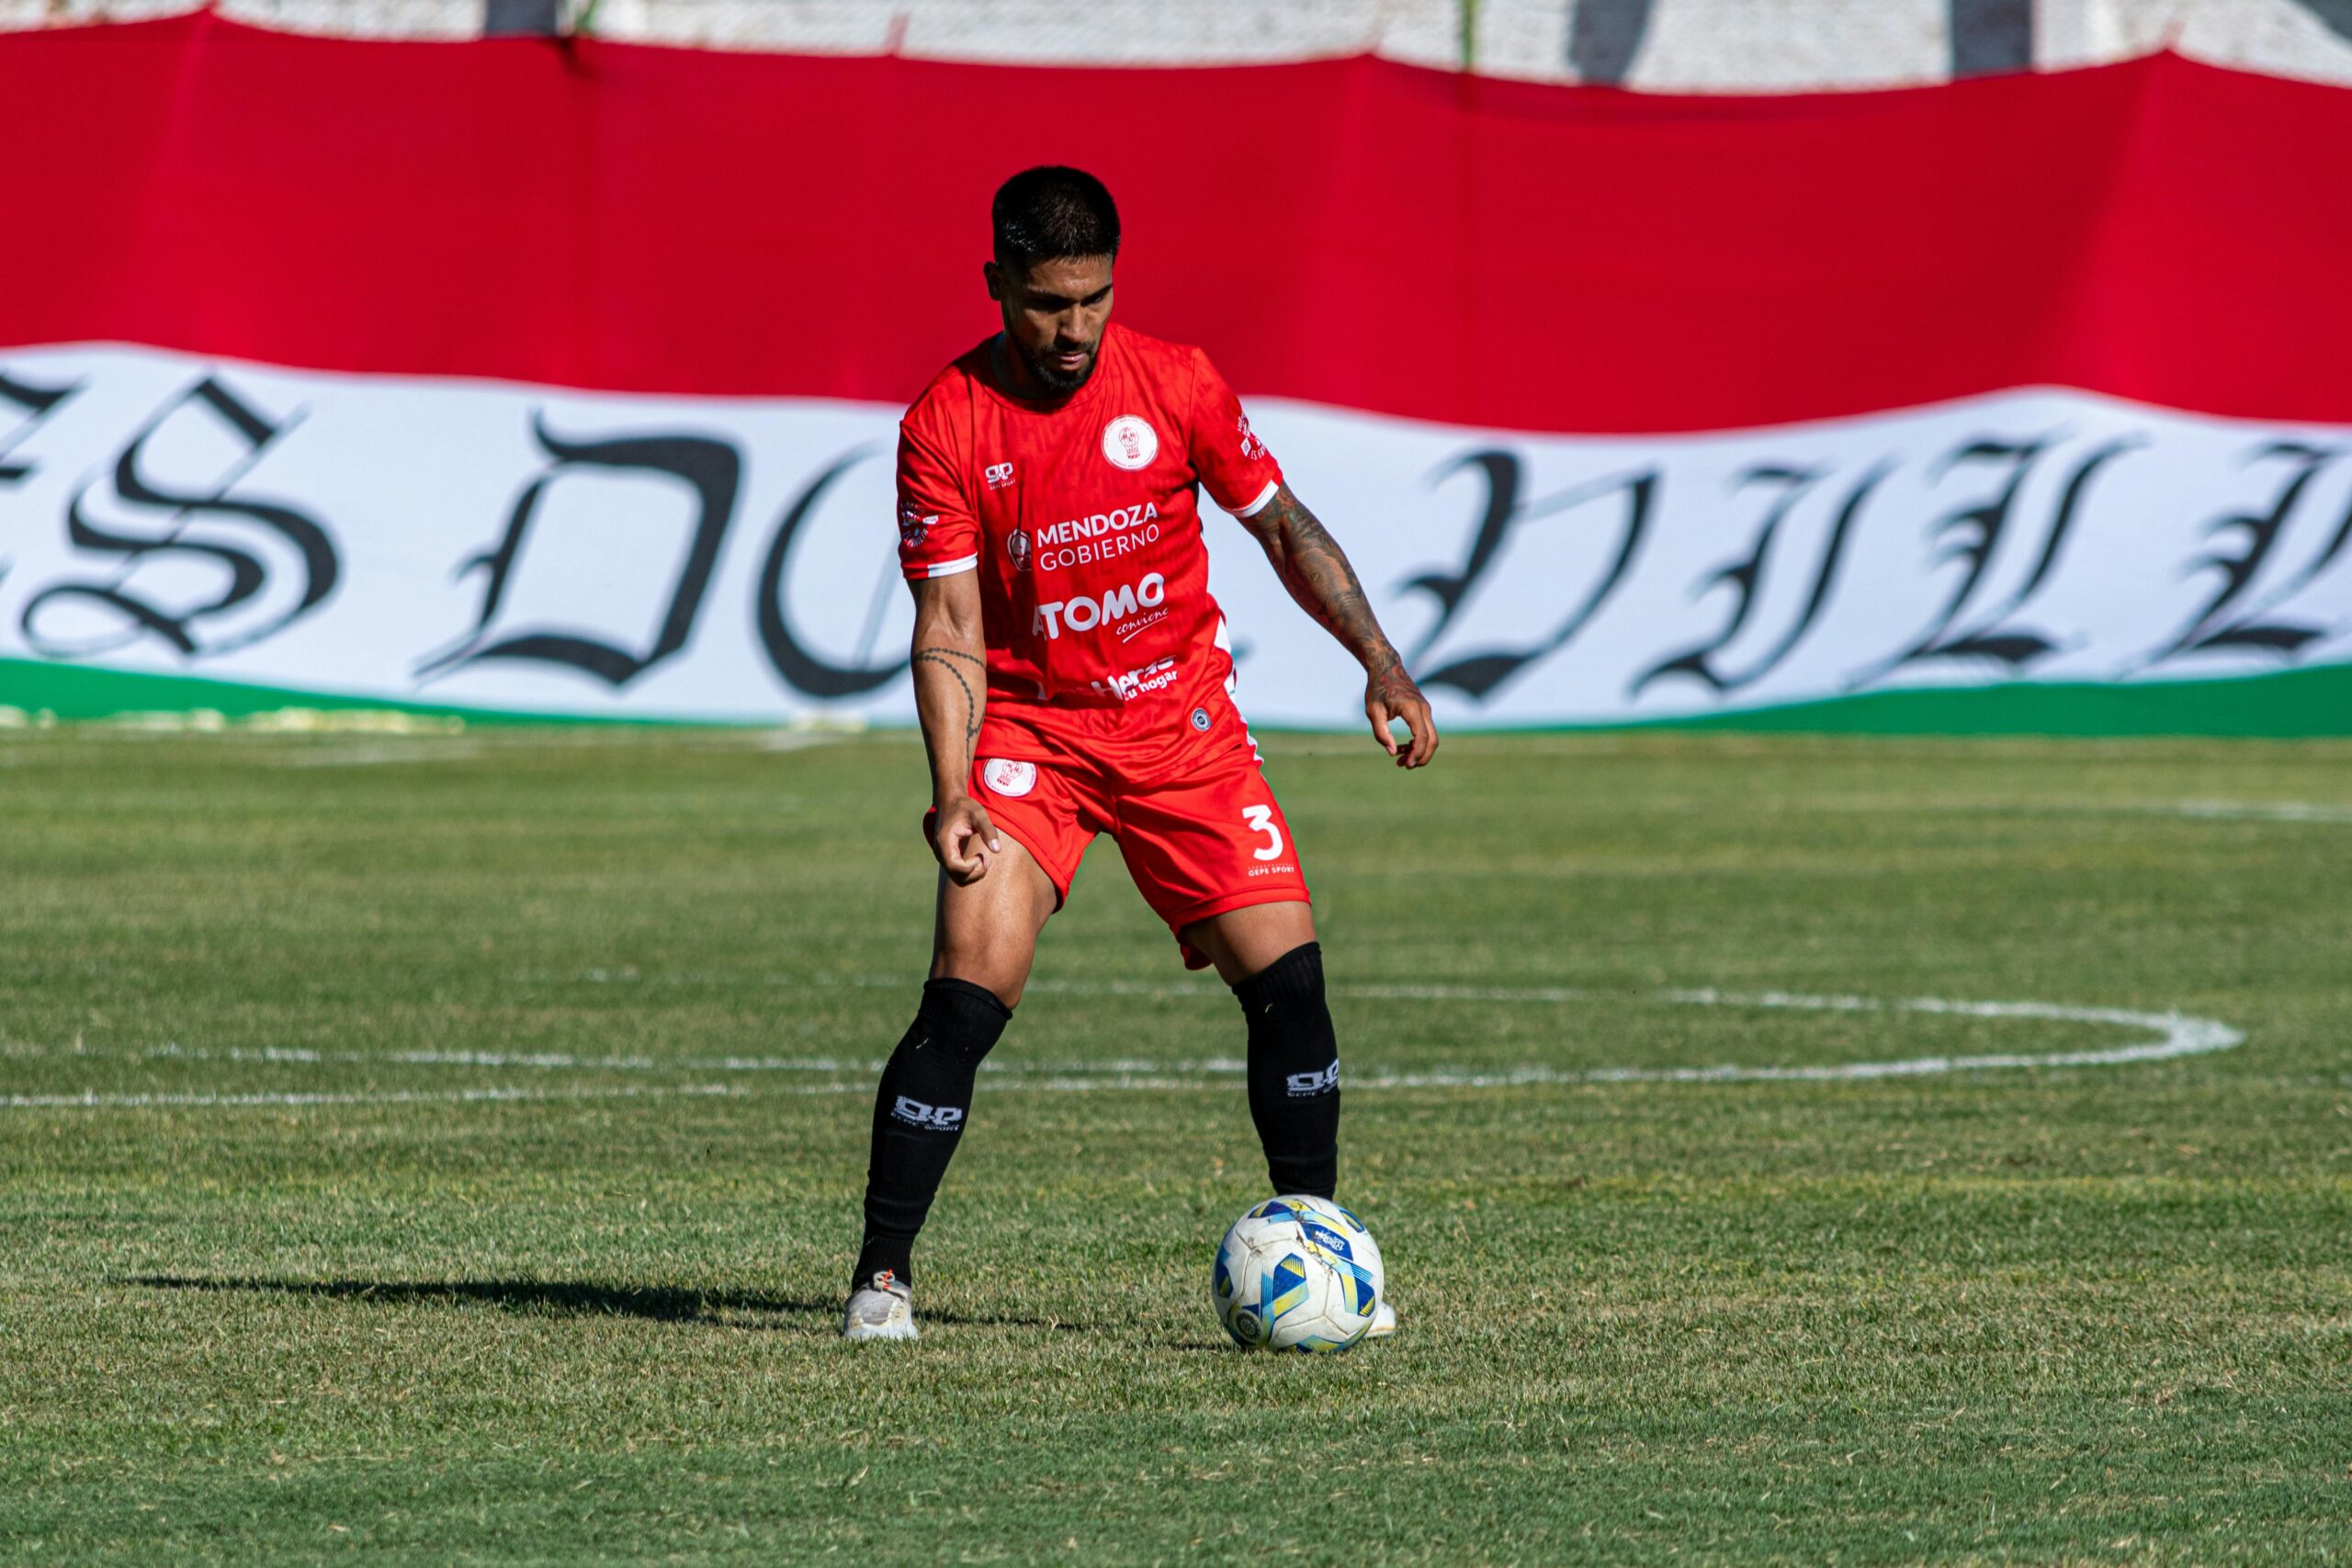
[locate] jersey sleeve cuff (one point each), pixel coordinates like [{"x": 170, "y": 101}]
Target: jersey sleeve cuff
[
  {"x": 943, "y": 569},
  {"x": 1259, "y": 505}
]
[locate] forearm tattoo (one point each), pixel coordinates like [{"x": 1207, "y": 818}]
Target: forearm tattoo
[
  {"x": 944, "y": 657},
  {"x": 1317, "y": 572}
]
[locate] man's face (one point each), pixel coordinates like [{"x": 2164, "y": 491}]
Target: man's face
[{"x": 1054, "y": 315}]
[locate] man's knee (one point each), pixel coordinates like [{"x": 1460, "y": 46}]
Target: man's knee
[
  {"x": 927, "y": 1084},
  {"x": 1000, "y": 967}
]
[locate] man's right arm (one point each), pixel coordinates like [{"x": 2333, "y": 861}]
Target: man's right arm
[{"x": 950, "y": 663}]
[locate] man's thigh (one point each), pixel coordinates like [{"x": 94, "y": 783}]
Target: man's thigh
[
  {"x": 985, "y": 931},
  {"x": 1244, "y": 942},
  {"x": 1212, "y": 842}
]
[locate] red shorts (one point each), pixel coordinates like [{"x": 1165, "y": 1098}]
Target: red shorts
[{"x": 1209, "y": 838}]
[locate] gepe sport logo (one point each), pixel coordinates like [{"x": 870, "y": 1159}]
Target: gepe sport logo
[
  {"x": 1007, "y": 777},
  {"x": 1130, "y": 443},
  {"x": 999, "y": 475},
  {"x": 1082, "y": 614},
  {"x": 932, "y": 1118},
  {"x": 913, "y": 527},
  {"x": 1307, "y": 1086},
  {"x": 1097, "y": 536}
]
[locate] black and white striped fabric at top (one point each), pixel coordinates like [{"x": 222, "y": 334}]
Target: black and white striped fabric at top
[{"x": 1732, "y": 46}]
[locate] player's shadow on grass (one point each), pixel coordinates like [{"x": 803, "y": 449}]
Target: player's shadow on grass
[{"x": 572, "y": 1298}]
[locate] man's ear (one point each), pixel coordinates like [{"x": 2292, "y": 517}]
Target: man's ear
[{"x": 995, "y": 277}]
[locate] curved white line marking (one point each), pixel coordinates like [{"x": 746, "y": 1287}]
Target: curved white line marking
[{"x": 2176, "y": 1034}]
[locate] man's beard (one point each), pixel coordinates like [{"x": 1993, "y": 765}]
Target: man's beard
[{"x": 1056, "y": 380}]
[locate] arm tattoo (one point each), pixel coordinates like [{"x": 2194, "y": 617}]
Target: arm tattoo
[
  {"x": 1316, "y": 570},
  {"x": 940, "y": 656}
]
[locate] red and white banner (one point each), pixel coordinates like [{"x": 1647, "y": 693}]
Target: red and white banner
[{"x": 551, "y": 376}]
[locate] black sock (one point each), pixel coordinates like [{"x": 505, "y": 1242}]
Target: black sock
[
  {"x": 919, "y": 1115},
  {"x": 1294, "y": 1072}
]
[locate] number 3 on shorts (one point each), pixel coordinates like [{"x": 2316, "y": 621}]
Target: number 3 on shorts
[{"x": 1260, "y": 819}]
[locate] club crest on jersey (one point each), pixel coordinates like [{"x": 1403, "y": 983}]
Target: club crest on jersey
[
  {"x": 1129, "y": 442},
  {"x": 1007, "y": 777},
  {"x": 1016, "y": 544}
]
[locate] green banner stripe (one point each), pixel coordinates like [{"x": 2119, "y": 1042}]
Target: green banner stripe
[
  {"x": 2311, "y": 702},
  {"x": 85, "y": 692}
]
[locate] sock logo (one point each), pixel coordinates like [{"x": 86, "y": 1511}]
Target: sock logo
[
  {"x": 941, "y": 1118},
  {"x": 1307, "y": 1086}
]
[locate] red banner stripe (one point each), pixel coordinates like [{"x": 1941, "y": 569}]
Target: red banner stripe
[{"x": 1354, "y": 232}]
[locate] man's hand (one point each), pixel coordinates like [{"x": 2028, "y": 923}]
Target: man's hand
[
  {"x": 1316, "y": 570},
  {"x": 962, "y": 838},
  {"x": 1391, "y": 694}
]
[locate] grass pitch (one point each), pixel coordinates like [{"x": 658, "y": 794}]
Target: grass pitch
[{"x": 447, "y": 1149}]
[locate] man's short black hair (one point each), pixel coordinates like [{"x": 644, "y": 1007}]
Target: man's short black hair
[{"x": 1052, "y": 213}]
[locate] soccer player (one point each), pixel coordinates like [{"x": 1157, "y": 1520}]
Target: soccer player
[{"x": 1073, "y": 677}]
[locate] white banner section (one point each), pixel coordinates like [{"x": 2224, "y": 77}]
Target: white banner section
[{"x": 532, "y": 549}]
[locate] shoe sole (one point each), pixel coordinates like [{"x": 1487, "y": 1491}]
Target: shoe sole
[{"x": 861, "y": 1332}]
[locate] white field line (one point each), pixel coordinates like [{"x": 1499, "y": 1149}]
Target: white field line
[
  {"x": 2176, "y": 1034},
  {"x": 382, "y": 753},
  {"x": 91, "y": 1101},
  {"x": 2207, "y": 810},
  {"x": 2268, "y": 811}
]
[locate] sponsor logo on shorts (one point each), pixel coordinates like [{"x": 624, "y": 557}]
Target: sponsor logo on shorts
[
  {"x": 1307, "y": 1086},
  {"x": 1129, "y": 442},
  {"x": 930, "y": 1118},
  {"x": 1007, "y": 777}
]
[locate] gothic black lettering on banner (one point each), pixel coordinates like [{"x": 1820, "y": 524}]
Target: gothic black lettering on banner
[
  {"x": 804, "y": 669},
  {"x": 2220, "y": 625},
  {"x": 38, "y": 403},
  {"x": 1746, "y": 578},
  {"x": 1972, "y": 535},
  {"x": 1993, "y": 636},
  {"x": 1477, "y": 675},
  {"x": 708, "y": 467},
  {"x": 198, "y": 530},
  {"x": 157, "y": 512}
]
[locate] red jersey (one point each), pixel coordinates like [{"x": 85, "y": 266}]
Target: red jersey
[{"x": 1081, "y": 518}]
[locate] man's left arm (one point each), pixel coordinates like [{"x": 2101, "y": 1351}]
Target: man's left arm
[{"x": 1316, "y": 570}]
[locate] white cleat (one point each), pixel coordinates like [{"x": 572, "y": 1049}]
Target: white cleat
[
  {"x": 1384, "y": 1322},
  {"x": 883, "y": 1309}
]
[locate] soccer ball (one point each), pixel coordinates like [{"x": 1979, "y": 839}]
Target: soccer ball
[{"x": 1297, "y": 1274}]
